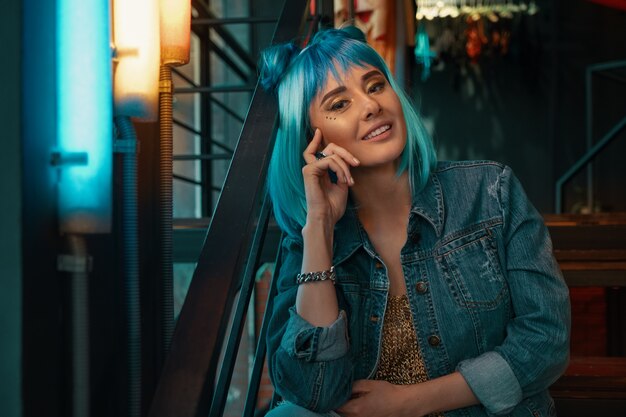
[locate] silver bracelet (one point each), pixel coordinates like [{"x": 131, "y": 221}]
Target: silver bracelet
[{"x": 316, "y": 276}]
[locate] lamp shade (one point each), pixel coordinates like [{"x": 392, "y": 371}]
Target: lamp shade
[
  {"x": 84, "y": 116},
  {"x": 175, "y": 31},
  {"x": 136, "y": 39}
]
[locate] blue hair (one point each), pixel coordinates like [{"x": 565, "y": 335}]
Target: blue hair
[{"x": 296, "y": 77}]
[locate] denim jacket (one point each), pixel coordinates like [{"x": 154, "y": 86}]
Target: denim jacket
[{"x": 486, "y": 295}]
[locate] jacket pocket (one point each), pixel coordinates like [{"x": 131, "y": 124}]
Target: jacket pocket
[{"x": 472, "y": 272}]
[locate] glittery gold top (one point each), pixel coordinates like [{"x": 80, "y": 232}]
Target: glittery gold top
[{"x": 401, "y": 361}]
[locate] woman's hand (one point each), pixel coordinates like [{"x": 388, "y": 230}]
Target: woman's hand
[
  {"x": 382, "y": 399},
  {"x": 316, "y": 302},
  {"x": 372, "y": 398},
  {"x": 325, "y": 199}
]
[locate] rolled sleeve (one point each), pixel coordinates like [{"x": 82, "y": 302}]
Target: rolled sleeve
[
  {"x": 537, "y": 343},
  {"x": 479, "y": 374},
  {"x": 304, "y": 341},
  {"x": 535, "y": 350},
  {"x": 309, "y": 366}
]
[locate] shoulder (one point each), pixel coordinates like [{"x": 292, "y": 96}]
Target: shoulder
[
  {"x": 472, "y": 190},
  {"x": 482, "y": 167},
  {"x": 471, "y": 176}
]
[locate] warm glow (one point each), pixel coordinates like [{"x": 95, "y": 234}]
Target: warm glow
[
  {"x": 84, "y": 116},
  {"x": 175, "y": 28},
  {"x": 136, "y": 39}
]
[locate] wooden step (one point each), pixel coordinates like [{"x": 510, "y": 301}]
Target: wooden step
[
  {"x": 592, "y": 386},
  {"x": 590, "y": 249},
  {"x": 617, "y": 218},
  {"x": 593, "y": 377}
]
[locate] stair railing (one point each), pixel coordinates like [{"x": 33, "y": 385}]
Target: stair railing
[
  {"x": 592, "y": 150},
  {"x": 186, "y": 387}
]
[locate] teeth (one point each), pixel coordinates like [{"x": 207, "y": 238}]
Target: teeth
[{"x": 377, "y": 132}]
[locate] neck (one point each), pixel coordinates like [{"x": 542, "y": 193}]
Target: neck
[{"x": 380, "y": 195}]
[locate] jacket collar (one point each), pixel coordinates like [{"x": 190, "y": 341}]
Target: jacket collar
[
  {"x": 428, "y": 203},
  {"x": 348, "y": 237},
  {"x": 349, "y": 233}
]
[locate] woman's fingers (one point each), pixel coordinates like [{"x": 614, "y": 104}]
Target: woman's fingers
[
  {"x": 312, "y": 147},
  {"x": 335, "y": 164},
  {"x": 333, "y": 157},
  {"x": 333, "y": 149},
  {"x": 363, "y": 385},
  {"x": 343, "y": 168}
]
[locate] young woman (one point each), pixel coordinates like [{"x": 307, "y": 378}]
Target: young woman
[{"x": 407, "y": 287}]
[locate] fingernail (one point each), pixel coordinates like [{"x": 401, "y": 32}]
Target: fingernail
[
  {"x": 351, "y": 180},
  {"x": 356, "y": 161}
]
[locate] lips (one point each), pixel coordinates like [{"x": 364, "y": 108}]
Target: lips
[{"x": 376, "y": 132}]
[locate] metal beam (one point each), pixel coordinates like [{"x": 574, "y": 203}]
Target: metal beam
[
  {"x": 231, "y": 21},
  {"x": 204, "y": 12},
  {"x": 216, "y": 89},
  {"x": 186, "y": 383}
]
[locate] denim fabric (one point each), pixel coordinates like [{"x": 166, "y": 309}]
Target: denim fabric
[
  {"x": 287, "y": 409},
  {"x": 486, "y": 294}
]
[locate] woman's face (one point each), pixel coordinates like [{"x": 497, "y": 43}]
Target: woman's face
[{"x": 362, "y": 114}]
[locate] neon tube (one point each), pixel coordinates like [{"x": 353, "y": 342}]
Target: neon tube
[{"x": 85, "y": 116}]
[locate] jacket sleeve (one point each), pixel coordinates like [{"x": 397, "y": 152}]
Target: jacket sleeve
[
  {"x": 535, "y": 351},
  {"x": 309, "y": 366}
]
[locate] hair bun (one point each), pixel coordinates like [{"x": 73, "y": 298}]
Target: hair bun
[
  {"x": 273, "y": 64},
  {"x": 275, "y": 60}
]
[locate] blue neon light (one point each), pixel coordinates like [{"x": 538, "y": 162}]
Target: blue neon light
[{"x": 85, "y": 115}]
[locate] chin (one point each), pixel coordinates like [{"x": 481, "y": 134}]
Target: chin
[{"x": 373, "y": 161}]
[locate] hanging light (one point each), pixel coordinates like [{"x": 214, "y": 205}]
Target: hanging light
[
  {"x": 175, "y": 31},
  {"x": 137, "y": 45}
]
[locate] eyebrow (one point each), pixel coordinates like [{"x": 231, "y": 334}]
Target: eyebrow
[
  {"x": 331, "y": 93},
  {"x": 370, "y": 74},
  {"x": 341, "y": 88}
]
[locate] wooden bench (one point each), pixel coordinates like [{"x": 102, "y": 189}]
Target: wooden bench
[
  {"x": 592, "y": 386},
  {"x": 591, "y": 251}
]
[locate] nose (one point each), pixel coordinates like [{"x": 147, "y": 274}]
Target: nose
[{"x": 371, "y": 108}]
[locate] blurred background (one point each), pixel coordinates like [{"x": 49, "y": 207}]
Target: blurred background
[{"x": 137, "y": 248}]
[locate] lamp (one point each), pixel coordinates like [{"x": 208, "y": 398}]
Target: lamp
[
  {"x": 84, "y": 129},
  {"x": 175, "y": 31},
  {"x": 136, "y": 38}
]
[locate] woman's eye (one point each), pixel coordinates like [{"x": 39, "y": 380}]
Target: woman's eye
[
  {"x": 338, "y": 105},
  {"x": 374, "y": 88}
]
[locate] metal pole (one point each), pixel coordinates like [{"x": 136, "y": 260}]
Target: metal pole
[
  {"x": 589, "y": 117},
  {"x": 589, "y": 155}
]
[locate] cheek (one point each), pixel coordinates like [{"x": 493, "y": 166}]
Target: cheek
[
  {"x": 403, "y": 130},
  {"x": 402, "y": 120},
  {"x": 337, "y": 131}
]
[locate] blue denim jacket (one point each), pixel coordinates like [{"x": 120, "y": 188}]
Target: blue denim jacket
[{"x": 487, "y": 298}]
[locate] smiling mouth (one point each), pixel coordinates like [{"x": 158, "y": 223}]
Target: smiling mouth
[{"x": 377, "y": 132}]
